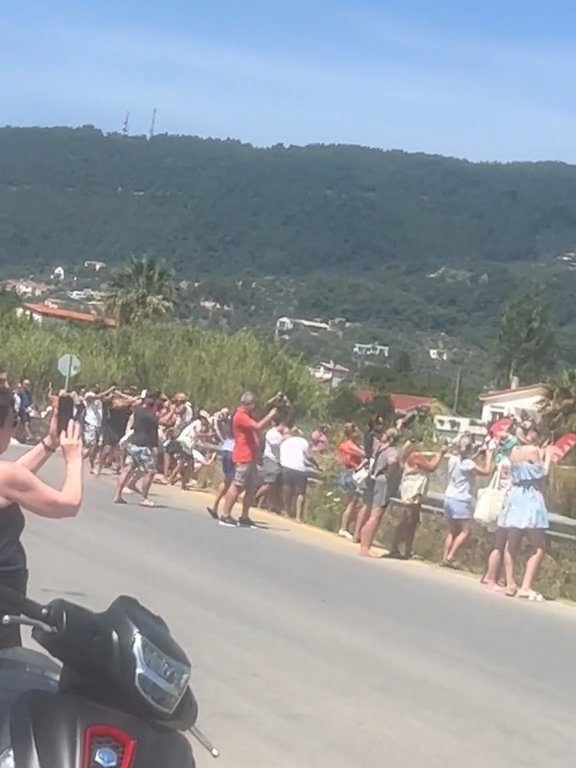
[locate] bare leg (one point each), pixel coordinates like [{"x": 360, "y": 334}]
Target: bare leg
[
  {"x": 349, "y": 511},
  {"x": 400, "y": 532},
  {"x": 220, "y": 493},
  {"x": 289, "y": 499},
  {"x": 495, "y": 559},
  {"x": 411, "y": 526},
  {"x": 230, "y": 499},
  {"x": 360, "y": 520},
  {"x": 514, "y": 540},
  {"x": 167, "y": 466},
  {"x": 145, "y": 487},
  {"x": 369, "y": 531},
  {"x": 300, "y": 499},
  {"x": 449, "y": 540},
  {"x": 261, "y": 494},
  {"x": 247, "y": 503},
  {"x": 124, "y": 478},
  {"x": 537, "y": 541},
  {"x": 462, "y": 534}
]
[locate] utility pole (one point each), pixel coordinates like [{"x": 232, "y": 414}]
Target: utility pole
[
  {"x": 457, "y": 389},
  {"x": 153, "y": 123}
]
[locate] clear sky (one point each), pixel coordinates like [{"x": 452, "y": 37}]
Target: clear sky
[{"x": 482, "y": 79}]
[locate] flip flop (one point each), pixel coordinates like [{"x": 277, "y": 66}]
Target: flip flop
[
  {"x": 531, "y": 595},
  {"x": 496, "y": 589}
]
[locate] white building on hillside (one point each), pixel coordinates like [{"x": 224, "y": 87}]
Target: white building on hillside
[
  {"x": 511, "y": 402},
  {"x": 331, "y": 373},
  {"x": 371, "y": 350}
]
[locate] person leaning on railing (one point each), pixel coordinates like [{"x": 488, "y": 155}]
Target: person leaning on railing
[{"x": 19, "y": 487}]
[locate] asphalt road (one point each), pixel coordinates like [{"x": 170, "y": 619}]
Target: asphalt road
[{"x": 306, "y": 655}]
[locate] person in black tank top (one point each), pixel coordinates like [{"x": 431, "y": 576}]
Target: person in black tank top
[
  {"x": 19, "y": 488},
  {"x": 142, "y": 450},
  {"x": 117, "y": 413}
]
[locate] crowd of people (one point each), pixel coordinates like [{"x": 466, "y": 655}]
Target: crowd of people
[
  {"x": 376, "y": 470},
  {"x": 147, "y": 437}
]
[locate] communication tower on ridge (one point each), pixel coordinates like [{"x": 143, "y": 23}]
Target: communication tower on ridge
[
  {"x": 126, "y": 124},
  {"x": 153, "y": 123}
]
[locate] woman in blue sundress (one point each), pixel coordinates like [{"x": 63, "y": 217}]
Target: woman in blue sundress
[{"x": 524, "y": 513}]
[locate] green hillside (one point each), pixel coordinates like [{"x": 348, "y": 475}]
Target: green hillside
[{"x": 389, "y": 238}]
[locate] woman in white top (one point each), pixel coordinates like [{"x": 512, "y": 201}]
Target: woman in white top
[
  {"x": 459, "y": 498},
  {"x": 268, "y": 493},
  {"x": 295, "y": 458}
]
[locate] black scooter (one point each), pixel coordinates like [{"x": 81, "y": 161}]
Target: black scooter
[{"x": 120, "y": 700}]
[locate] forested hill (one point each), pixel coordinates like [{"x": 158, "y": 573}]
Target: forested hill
[
  {"x": 423, "y": 242},
  {"x": 223, "y": 207}
]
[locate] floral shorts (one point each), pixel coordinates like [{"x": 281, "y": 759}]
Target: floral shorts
[{"x": 140, "y": 458}]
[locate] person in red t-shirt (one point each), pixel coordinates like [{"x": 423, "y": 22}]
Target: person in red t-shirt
[
  {"x": 245, "y": 432},
  {"x": 351, "y": 458}
]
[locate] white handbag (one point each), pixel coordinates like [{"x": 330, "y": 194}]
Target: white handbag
[
  {"x": 362, "y": 474},
  {"x": 490, "y": 501}
]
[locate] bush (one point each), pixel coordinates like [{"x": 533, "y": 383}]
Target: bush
[{"x": 212, "y": 368}]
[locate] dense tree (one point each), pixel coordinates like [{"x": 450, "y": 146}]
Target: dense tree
[
  {"x": 559, "y": 404},
  {"x": 400, "y": 241},
  {"x": 526, "y": 344},
  {"x": 142, "y": 290}
]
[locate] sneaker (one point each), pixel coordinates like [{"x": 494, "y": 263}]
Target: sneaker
[
  {"x": 213, "y": 514},
  {"x": 229, "y": 522},
  {"x": 396, "y": 555},
  {"x": 345, "y": 534},
  {"x": 246, "y": 522}
]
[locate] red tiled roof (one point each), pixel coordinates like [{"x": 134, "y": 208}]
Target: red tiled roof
[
  {"x": 69, "y": 314},
  {"x": 401, "y": 403},
  {"x": 406, "y": 403}
]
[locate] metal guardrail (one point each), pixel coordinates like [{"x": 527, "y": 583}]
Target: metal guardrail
[{"x": 561, "y": 527}]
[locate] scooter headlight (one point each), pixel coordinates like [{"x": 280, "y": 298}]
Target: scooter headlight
[
  {"x": 161, "y": 680},
  {"x": 7, "y": 758}
]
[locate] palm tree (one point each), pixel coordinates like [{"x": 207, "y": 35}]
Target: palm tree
[
  {"x": 142, "y": 290},
  {"x": 558, "y": 407}
]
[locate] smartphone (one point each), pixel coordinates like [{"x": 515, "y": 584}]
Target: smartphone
[{"x": 65, "y": 412}]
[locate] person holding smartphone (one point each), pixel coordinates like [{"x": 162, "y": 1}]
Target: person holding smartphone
[{"x": 20, "y": 488}]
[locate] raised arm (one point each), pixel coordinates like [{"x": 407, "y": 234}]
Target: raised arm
[
  {"x": 20, "y": 485},
  {"x": 430, "y": 465},
  {"x": 36, "y": 457},
  {"x": 266, "y": 420},
  {"x": 484, "y": 469}
]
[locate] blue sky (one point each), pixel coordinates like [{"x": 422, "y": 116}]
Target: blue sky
[{"x": 482, "y": 79}]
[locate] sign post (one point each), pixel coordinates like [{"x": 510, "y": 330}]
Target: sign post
[{"x": 69, "y": 365}]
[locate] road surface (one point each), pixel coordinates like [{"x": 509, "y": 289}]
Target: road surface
[{"x": 306, "y": 655}]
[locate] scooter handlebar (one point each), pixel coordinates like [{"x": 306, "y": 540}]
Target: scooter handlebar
[{"x": 13, "y": 602}]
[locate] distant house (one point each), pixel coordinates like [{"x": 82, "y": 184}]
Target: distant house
[
  {"x": 25, "y": 288},
  {"x": 511, "y": 402},
  {"x": 285, "y": 326},
  {"x": 95, "y": 265},
  {"x": 42, "y": 313},
  {"x": 85, "y": 295},
  {"x": 371, "y": 350},
  {"x": 438, "y": 354},
  {"x": 331, "y": 373},
  {"x": 58, "y": 274}
]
